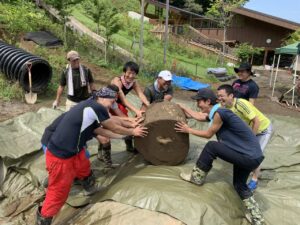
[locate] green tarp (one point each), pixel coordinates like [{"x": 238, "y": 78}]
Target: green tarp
[
  {"x": 289, "y": 49},
  {"x": 138, "y": 184}
]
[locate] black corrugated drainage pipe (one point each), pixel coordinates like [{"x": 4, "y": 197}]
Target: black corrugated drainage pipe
[{"x": 13, "y": 65}]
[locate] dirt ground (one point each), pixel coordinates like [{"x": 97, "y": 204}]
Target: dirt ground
[{"x": 103, "y": 76}]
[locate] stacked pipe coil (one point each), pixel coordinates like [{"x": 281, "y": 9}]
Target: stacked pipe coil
[{"x": 13, "y": 64}]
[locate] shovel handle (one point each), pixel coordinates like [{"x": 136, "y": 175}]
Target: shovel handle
[{"x": 29, "y": 65}]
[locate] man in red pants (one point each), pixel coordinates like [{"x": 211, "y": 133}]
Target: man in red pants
[{"x": 65, "y": 155}]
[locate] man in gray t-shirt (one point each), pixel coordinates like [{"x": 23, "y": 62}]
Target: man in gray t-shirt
[{"x": 161, "y": 89}]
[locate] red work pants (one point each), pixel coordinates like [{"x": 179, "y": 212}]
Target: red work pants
[{"x": 62, "y": 172}]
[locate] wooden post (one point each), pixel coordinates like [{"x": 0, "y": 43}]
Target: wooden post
[
  {"x": 142, "y": 34},
  {"x": 166, "y": 31},
  {"x": 265, "y": 57}
]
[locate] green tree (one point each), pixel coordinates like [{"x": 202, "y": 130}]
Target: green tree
[
  {"x": 64, "y": 8},
  {"x": 205, "y": 4},
  {"x": 221, "y": 10},
  {"x": 94, "y": 9},
  {"x": 292, "y": 38},
  {"x": 111, "y": 20},
  {"x": 244, "y": 51},
  {"x": 133, "y": 30},
  {"x": 106, "y": 15},
  {"x": 190, "y": 5}
]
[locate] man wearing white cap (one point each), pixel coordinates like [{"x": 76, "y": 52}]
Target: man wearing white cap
[
  {"x": 78, "y": 79},
  {"x": 161, "y": 89}
]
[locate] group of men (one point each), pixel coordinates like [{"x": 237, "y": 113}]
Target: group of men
[{"x": 103, "y": 114}]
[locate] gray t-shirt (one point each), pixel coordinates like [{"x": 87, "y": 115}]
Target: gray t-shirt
[{"x": 153, "y": 95}]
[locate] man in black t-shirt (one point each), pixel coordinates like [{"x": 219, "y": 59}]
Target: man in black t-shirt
[
  {"x": 78, "y": 79},
  {"x": 245, "y": 87},
  {"x": 65, "y": 155},
  {"x": 235, "y": 144}
]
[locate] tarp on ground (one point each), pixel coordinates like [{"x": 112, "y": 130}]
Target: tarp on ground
[
  {"x": 43, "y": 38},
  {"x": 186, "y": 83},
  {"x": 217, "y": 70},
  {"x": 138, "y": 184}
]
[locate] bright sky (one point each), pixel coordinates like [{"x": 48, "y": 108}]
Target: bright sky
[{"x": 286, "y": 9}]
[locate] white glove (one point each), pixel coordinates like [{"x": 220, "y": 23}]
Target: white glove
[{"x": 55, "y": 104}]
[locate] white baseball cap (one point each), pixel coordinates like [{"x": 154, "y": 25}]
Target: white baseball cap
[{"x": 166, "y": 75}]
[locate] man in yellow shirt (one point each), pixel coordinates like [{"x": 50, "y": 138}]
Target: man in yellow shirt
[{"x": 259, "y": 123}]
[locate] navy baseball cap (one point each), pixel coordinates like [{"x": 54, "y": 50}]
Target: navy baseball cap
[{"x": 205, "y": 93}]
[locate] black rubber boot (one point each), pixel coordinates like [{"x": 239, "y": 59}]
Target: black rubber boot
[
  {"x": 100, "y": 153},
  {"x": 45, "y": 182},
  {"x": 40, "y": 220},
  {"x": 104, "y": 154},
  {"x": 89, "y": 184},
  {"x": 129, "y": 144}
]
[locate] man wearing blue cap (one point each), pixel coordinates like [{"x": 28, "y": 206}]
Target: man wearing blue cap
[{"x": 236, "y": 144}]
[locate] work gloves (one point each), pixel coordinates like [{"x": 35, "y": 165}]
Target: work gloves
[{"x": 55, "y": 104}]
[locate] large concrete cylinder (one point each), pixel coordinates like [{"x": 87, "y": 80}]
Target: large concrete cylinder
[{"x": 163, "y": 145}]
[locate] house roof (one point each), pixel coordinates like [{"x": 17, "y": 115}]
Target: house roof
[
  {"x": 241, "y": 11},
  {"x": 267, "y": 18}
]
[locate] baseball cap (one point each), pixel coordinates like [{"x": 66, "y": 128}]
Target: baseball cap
[
  {"x": 166, "y": 75},
  {"x": 205, "y": 93},
  {"x": 106, "y": 92},
  {"x": 73, "y": 55},
  {"x": 244, "y": 66}
]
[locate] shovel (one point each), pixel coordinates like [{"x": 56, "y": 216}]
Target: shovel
[{"x": 30, "y": 97}]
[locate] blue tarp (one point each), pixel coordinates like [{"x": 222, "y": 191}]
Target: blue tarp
[{"x": 186, "y": 83}]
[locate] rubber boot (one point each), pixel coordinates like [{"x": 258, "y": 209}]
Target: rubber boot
[
  {"x": 89, "y": 184},
  {"x": 40, "y": 220},
  {"x": 100, "y": 153},
  {"x": 197, "y": 176},
  {"x": 104, "y": 154},
  {"x": 45, "y": 182},
  {"x": 129, "y": 144},
  {"x": 256, "y": 216}
]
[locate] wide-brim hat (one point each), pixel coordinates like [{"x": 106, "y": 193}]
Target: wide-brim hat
[{"x": 244, "y": 66}]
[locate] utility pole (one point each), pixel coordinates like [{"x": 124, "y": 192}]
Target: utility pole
[
  {"x": 166, "y": 31},
  {"x": 142, "y": 34}
]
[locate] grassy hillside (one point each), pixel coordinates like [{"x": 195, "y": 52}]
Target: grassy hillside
[
  {"x": 23, "y": 16},
  {"x": 186, "y": 58}
]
